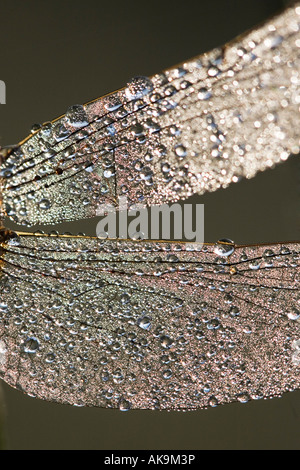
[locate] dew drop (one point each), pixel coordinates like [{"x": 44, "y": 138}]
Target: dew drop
[
  {"x": 165, "y": 167},
  {"x": 137, "y": 129},
  {"x": 213, "y": 402},
  {"x": 243, "y": 397},
  {"x": 234, "y": 311},
  {"x": 60, "y": 132},
  {"x": 296, "y": 344},
  {"x": 204, "y": 94},
  {"x": 76, "y": 116},
  {"x": 213, "y": 71},
  {"x": 180, "y": 151},
  {"x": 138, "y": 87},
  {"x": 3, "y": 306},
  {"x": 146, "y": 174},
  {"x": 50, "y": 358},
  {"x": 124, "y": 405},
  {"x": 44, "y": 204},
  {"x": 124, "y": 298},
  {"x": 166, "y": 342},
  {"x": 112, "y": 103},
  {"x": 296, "y": 358},
  {"x": 294, "y": 314},
  {"x": 31, "y": 345},
  {"x": 144, "y": 323},
  {"x": 6, "y": 173},
  {"x": 224, "y": 247},
  {"x": 167, "y": 374},
  {"x": 273, "y": 41},
  {"x": 213, "y": 324}
]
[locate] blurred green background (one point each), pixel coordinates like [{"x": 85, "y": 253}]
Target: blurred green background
[{"x": 58, "y": 53}]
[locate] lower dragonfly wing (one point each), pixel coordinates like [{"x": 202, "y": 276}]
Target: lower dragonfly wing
[{"x": 148, "y": 325}]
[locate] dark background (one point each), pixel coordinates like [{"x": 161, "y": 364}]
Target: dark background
[{"x": 58, "y": 53}]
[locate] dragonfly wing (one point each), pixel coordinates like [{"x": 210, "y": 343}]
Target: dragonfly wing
[
  {"x": 195, "y": 128},
  {"x": 148, "y": 325}
]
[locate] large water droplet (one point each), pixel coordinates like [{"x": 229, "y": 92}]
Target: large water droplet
[
  {"x": 124, "y": 405},
  {"x": 224, "y": 247},
  {"x": 44, "y": 204},
  {"x": 144, "y": 323},
  {"x": 76, "y": 116},
  {"x": 138, "y": 87}
]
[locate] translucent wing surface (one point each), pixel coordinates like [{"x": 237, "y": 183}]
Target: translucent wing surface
[
  {"x": 195, "y": 128},
  {"x": 148, "y": 325}
]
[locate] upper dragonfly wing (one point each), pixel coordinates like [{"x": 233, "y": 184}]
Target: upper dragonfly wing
[
  {"x": 148, "y": 325},
  {"x": 195, "y": 128}
]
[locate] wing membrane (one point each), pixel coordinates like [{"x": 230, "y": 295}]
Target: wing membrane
[{"x": 148, "y": 325}]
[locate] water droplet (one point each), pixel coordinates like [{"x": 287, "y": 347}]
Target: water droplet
[
  {"x": 204, "y": 94},
  {"x": 213, "y": 402},
  {"x": 255, "y": 264},
  {"x": 144, "y": 323},
  {"x": 34, "y": 128},
  {"x": 234, "y": 311},
  {"x": 213, "y": 71},
  {"x": 76, "y": 116},
  {"x": 18, "y": 303},
  {"x": 172, "y": 259},
  {"x": 6, "y": 173},
  {"x": 112, "y": 103},
  {"x": 167, "y": 374},
  {"x": 50, "y": 358},
  {"x": 146, "y": 173},
  {"x": 296, "y": 358},
  {"x": 31, "y": 345},
  {"x": 124, "y": 298},
  {"x": 138, "y": 87},
  {"x": 109, "y": 173},
  {"x": 44, "y": 204},
  {"x": 137, "y": 129},
  {"x": 180, "y": 151},
  {"x": 296, "y": 344},
  {"x": 294, "y": 314},
  {"x": 224, "y": 247},
  {"x": 165, "y": 167},
  {"x": 273, "y": 41},
  {"x": 124, "y": 405},
  {"x": 243, "y": 397},
  {"x": 166, "y": 342}
]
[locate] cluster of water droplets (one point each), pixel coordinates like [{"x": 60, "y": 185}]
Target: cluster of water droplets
[
  {"x": 146, "y": 325},
  {"x": 193, "y": 128}
]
